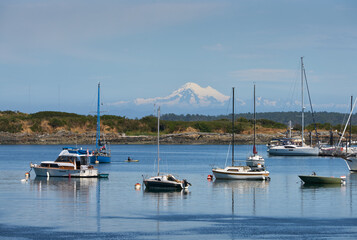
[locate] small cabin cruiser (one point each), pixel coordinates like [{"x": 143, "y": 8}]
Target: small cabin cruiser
[
  {"x": 71, "y": 162},
  {"x": 167, "y": 181}
]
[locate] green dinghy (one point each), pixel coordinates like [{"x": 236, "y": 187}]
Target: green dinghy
[{"x": 314, "y": 179}]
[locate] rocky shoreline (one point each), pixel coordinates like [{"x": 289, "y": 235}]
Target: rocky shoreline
[{"x": 69, "y": 138}]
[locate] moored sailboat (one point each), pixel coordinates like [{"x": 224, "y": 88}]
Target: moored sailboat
[
  {"x": 163, "y": 181},
  {"x": 239, "y": 172},
  {"x": 255, "y": 159},
  {"x": 296, "y": 150},
  {"x": 102, "y": 153}
]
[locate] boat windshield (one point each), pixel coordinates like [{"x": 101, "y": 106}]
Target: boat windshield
[
  {"x": 67, "y": 159},
  {"x": 84, "y": 160}
]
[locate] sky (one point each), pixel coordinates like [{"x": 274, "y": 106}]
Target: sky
[{"x": 54, "y": 53}]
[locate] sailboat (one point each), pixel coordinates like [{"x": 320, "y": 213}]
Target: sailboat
[
  {"x": 255, "y": 159},
  {"x": 102, "y": 153},
  {"x": 163, "y": 181},
  {"x": 292, "y": 149},
  {"x": 239, "y": 172}
]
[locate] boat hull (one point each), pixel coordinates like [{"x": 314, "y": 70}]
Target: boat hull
[
  {"x": 149, "y": 184},
  {"x": 52, "y": 172},
  {"x": 222, "y": 174},
  {"x": 100, "y": 159},
  {"x": 351, "y": 162},
  {"x": 296, "y": 151},
  {"x": 312, "y": 179}
]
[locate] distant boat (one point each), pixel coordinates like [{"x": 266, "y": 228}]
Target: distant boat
[
  {"x": 131, "y": 160},
  {"x": 163, "y": 181},
  {"x": 292, "y": 149},
  {"x": 314, "y": 179},
  {"x": 239, "y": 172},
  {"x": 255, "y": 159},
  {"x": 102, "y": 153},
  {"x": 71, "y": 162}
]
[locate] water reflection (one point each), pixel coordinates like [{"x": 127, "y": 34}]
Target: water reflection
[
  {"x": 164, "y": 199},
  {"x": 82, "y": 192},
  {"x": 247, "y": 192}
]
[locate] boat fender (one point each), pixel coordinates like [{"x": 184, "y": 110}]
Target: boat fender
[{"x": 137, "y": 186}]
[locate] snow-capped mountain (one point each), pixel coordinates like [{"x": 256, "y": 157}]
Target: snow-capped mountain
[{"x": 189, "y": 94}]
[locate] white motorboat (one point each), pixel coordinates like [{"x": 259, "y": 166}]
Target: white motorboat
[
  {"x": 293, "y": 150},
  {"x": 163, "y": 181},
  {"x": 71, "y": 162},
  {"x": 240, "y": 172},
  {"x": 296, "y": 150}
]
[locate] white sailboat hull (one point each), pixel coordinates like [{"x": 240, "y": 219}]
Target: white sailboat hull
[
  {"x": 351, "y": 162},
  {"x": 293, "y": 150},
  {"x": 239, "y": 173}
]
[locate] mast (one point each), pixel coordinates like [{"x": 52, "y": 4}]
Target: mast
[
  {"x": 255, "y": 120},
  {"x": 351, "y": 124},
  {"x": 302, "y": 102},
  {"x": 97, "y": 139},
  {"x": 233, "y": 127},
  {"x": 158, "y": 141}
]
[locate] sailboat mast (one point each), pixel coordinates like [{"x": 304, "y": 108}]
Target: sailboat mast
[
  {"x": 255, "y": 121},
  {"x": 158, "y": 141},
  {"x": 302, "y": 102},
  {"x": 350, "y": 140},
  {"x": 98, "y": 120},
  {"x": 233, "y": 127}
]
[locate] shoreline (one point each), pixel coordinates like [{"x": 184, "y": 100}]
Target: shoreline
[{"x": 198, "y": 138}]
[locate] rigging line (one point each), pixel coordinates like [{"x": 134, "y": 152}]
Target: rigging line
[
  {"x": 349, "y": 117},
  {"x": 229, "y": 148},
  {"x": 312, "y": 110}
]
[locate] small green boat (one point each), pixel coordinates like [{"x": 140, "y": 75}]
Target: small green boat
[
  {"x": 103, "y": 175},
  {"x": 314, "y": 179}
]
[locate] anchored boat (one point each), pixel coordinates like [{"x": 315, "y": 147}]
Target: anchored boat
[
  {"x": 257, "y": 172},
  {"x": 102, "y": 153},
  {"x": 71, "y": 162},
  {"x": 314, "y": 179},
  {"x": 296, "y": 150},
  {"x": 163, "y": 181}
]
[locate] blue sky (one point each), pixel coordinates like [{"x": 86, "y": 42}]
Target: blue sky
[{"x": 53, "y": 53}]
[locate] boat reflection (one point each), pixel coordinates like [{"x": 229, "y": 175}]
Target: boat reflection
[
  {"x": 64, "y": 185},
  {"x": 242, "y": 186},
  {"x": 317, "y": 186},
  {"x": 76, "y": 190},
  {"x": 248, "y": 193},
  {"x": 166, "y": 194}
]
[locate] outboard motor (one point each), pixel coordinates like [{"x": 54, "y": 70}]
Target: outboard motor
[{"x": 185, "y": 183}]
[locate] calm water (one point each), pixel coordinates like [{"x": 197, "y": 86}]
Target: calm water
[{"x": 113, "y": 209}]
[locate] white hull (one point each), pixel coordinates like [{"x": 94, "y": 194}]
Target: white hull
[
  {"x": 292, "y": 150},
  {"x": 243, "y": 173},
  {"x": 351, "y": 162},
  {"x": 53, "y": 172}
]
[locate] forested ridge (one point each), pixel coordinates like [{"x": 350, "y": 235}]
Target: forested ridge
[{"x": 51, "y": 122}]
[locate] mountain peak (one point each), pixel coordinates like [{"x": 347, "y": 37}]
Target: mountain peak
[{"x": 190, "y": 93}]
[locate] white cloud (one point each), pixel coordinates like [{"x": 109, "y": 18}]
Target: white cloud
[{"x": 118, "y": 103}]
